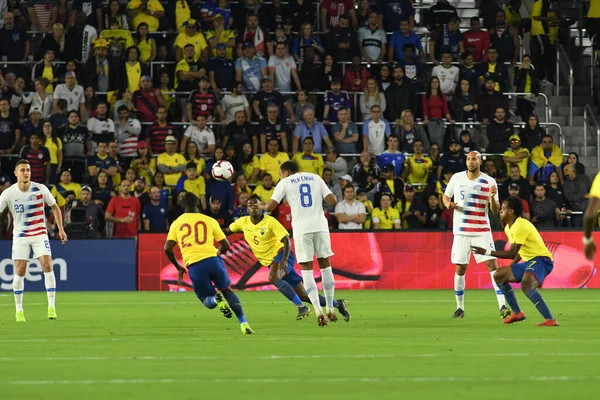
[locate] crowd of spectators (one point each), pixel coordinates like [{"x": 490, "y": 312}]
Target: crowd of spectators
[{"x": 122, "y": 106}]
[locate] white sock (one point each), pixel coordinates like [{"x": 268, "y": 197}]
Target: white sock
[
  {"x": 499, "y": 295},
  {"x": 311, "y": 290},
  {"x": 328, "y": 287},
  {"x": 18, "y": 288},
  {"x": 50, "y": 282},
  {"x": 459, "y": 291}
]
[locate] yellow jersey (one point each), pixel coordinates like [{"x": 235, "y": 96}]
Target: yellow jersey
[
  {"x": 171, "y": 161},
  {"x": 182, "y": 66},
  {"x": 368, "y": 206},
  {"x": 271, "y": 164},
  {"x": 54, "y": 149},
  {"x": 197, "y": 186},
  {"x": 198, "y": 41},
  {"x": 200, "y": 165},
  {"x": 537, "y": 27},
  {"x": 523, "y": 164},
  {"x": 264, "y": 238},
  {"x": 524, "y": 233},
  {"x": 48, "y": 73},
  {"x": 182, "y": 14},
  {"x": 73, "y": 187},
  {"x": 145, "y": 47},
  {"x": 248, "y": 168},
  {"x": 419, "y": 171},
  {"x": 195, "y": 234},
  {"x": 141, "y": 171},
  {"x": 385, "y": 218},
  {"x": 595, "y": 190},
  {"x": 152, "y": 21},
  {"x": 225, "y": 37},
  {"x": 309, "y": 163},
  {"x": 134, "y": 74},
  {"x": 264, "y": 194},
  {"x": 594, "y": 10}
]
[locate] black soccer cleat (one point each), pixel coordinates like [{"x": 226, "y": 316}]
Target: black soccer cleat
[
  {"x": 342, "y": 304},
  {"x": 505, "y": 312},
  {"x": 303, "y": 312},
  {"x": 459, "y": 313}
]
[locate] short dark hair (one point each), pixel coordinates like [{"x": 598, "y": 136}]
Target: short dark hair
[
  {"x": 348, "y": 187},
  {"x": 309, "y": 138},
  {"x": 290, "y": 166},
  {"x": 21, "y": 162},
  {"x": 254, "y": 197},
  {"x": 191, "y": 165},
  {"x": 539, "y": 184},
  {"x": 446, "y": 52},
  {"x": 515, "y": 204},
  {"x": 190, "y": 201},
  {"x": 388, "y": 195}
]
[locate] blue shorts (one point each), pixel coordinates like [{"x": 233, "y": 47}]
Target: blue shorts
[
  {"x": 207, "y": 272},
  {"x": 291, "y": 276},
  {"x": 540, "y": 267}
]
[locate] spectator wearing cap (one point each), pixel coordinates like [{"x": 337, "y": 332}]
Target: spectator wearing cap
[
  {"x": 496, "y": 68},
  {"x": 418, "y": 167},
  {"x": 389, "y": 183},
  {"x": 308, "y": 161},
  {"x": 101, "y": 161},
  {"x": 221, "y": 71},
  {"x": 270, "y": 161},
  {"x": 154, "y": 214},
  {"x": 440, "y": 14},
  {"x": 203, "y": 101},
  {"x": 201, "y": 135},
  {"x": 193, "y": 36},
  {"x": 333, "y": 100},
  {"x": 188, "y": 71},
  {"x": 311, "y": 128},
  {"x": 250, "y": 68},
  {"x": 375, "y": 131},
  {"x": 455, "y": 160},
  {"x": 265, "y": 189},
  {"x": 385, "y": 216},
  {"x": 490, "y": 100},
  {"x": 171, "y": 163},
  {"x": 66, "y": 190},
  {"x": 282, "y": 69},
  {"x": 342, "y": 41},
  {"x": 38, "y": 157},
  {"x": 513, "y": 191},
  {"x": 139, "y": 191},
  {"x": 269, "y": 96},
  {"x": 272, "y": 127},
  {"x": 32, "y": 125},
  {"x": 72, "y": 92},
  {"x": 392, "y": 156},
  {"x": 46, "y": 69},
  {"x": 257, "y": 36},
  {"x": 124, "y": 211},
  {"x": 221, "y": 37},
  {"x": 499, "y": 132},
  {"x": 516, "y": 154},
  {"x": 335, "y": 162},
  {"x": 148, "y": 11},
  {"x": 157, "y": 132},
  {"x": 147, "y": 100},
  {"x": 144, "y": 164},
  {"x": 339, "y": 185},
  {"x": 216, "y": 211},
  {"x": 101, "y": 71},
  {"x": 127, "y": 131},
  {"x": 411, "y": 209},
  {"x": 350, "y": 213},
  {"x": 446, "y": 38},
  {"x": 94, "y": 215}
]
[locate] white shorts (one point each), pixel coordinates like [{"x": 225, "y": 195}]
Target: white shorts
[
  {"x": 461, "y": 248},
  {"x": 310, "y": 244},
  {"x": 22, "y": 247}
]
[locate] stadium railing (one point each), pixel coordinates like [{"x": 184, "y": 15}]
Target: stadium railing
[
  {"x": 590, "y": 122},
  {"x": 593, "y": 62},
  {"x": 562, "y": 55}
]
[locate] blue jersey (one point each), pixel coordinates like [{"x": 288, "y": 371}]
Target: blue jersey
[
  {"x": 397, "y": 160},
  {"x": 335, "y": 101}
]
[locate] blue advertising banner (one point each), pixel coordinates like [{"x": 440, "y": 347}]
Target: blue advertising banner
[{"x": 79, "y": 265}]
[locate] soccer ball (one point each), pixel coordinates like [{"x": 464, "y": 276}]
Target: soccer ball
[{"x": 222, "y": 170}]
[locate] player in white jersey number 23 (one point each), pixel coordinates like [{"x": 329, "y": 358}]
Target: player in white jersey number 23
[
  {"x": 25, "y": 200},
  {"x": 469, "y": 193},
  {"x": 305, "y": 193}
]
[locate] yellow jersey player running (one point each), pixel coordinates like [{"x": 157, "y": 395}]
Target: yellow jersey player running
[
  {"x": 525, "y": 244},
  {"x": 270, "y": 243},
  {"x": 590, "y": 219},
  {"x": 195, "y": 234}
]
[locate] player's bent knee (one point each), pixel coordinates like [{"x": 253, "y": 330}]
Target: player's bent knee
[
  {"x": 20, "y": 267},
  {"x": 529, "y": 282},
  {"x": 273, "y": 278},
  {"x": 461, "y": 269}
]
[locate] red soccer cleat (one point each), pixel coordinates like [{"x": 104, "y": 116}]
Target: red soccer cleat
[
  {"x": 321, "y": 320},
  {"x": 514, "y": 318},
  {"x": 332, "y": 317},
  {"x": 548, "y": 322}
]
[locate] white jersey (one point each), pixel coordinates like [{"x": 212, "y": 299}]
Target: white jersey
[
  {"x": 74, "y": 97},
  {"x": 232, "y": 104},
  {"x": 203, "y": 139},
  {"x": 448, "y": 79},
  {"x": 305, "y": 193},
  {"x": 473, "y": 197},
  {"x": 27, "y": 209}
]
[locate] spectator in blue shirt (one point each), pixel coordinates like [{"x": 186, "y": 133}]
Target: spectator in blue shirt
[
  {"x": 400, "y": 38},
  {"x": 154, "y": 214},
  {"x": 310, "y": 128},
  {"x": 250, "y": 69},
  {"x": 392, "y": 156}
]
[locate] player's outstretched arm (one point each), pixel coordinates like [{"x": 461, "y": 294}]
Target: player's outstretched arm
[
  {"x": 224, "y": 246},
  {"x": 271, "y": 205},
  {"x": 58, "y": 217},
  {"x": 227, "y": 231},
  {"x": 511, "y": 253},
  {"x": 169, "y": 244}
]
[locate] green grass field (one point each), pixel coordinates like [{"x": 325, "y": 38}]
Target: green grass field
[{"x": 397, "y": 345}]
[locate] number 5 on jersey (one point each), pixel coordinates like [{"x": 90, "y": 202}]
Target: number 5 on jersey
[{"x": 305, "y": 195}]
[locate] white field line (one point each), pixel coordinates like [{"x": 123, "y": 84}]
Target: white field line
[
  {"x": 297, "y": 357},
  {"x": 363, "y": 379}
]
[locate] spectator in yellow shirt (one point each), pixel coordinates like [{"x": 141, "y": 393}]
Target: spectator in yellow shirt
[
  {"x": 270, "y": 162},
  {"x": 171, "y": 163},
  {"x": 309, "y": 161},
  {"x": 386, "y": 217},
  {"x": 361, "y": 196},
  {"x": 193, "y": 183},
  {"x": 194, "y": 37},
  {"x": 516, "y": 155},
  {"x": 265, "y": 189},
  {"x": 418, "y": 167},
  {"x": 220, "y": 35},
  {"x": 148, "y": 11}
]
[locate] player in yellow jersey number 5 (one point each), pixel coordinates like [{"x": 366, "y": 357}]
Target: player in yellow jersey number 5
[{"x": 195, "y": 234}]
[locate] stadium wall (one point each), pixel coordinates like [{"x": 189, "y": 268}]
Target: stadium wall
[
  {"x": 79, "y": 265},
  {"x": 377, "y": 260}
]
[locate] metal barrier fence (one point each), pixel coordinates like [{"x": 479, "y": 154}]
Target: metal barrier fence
[
  {"x": 561, "y": 54},
  {"x": 589, "y": 119}
]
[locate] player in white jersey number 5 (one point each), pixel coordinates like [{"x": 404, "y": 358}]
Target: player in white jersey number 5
[
  {"x": 25, "y": 201},
  {"x": 472, "y": 191},
  {"x": 305, "y": 193}
]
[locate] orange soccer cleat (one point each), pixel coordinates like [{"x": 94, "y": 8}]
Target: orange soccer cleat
[
  {"x": 548, "y": 322},
  {"x": 514, "y": 318}
]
